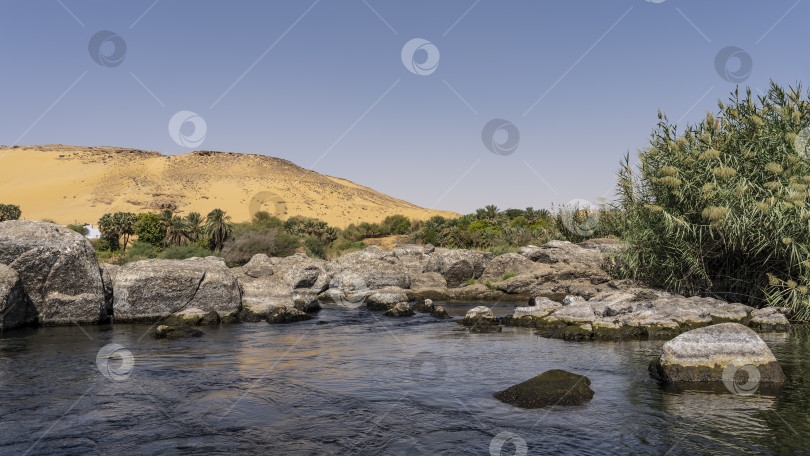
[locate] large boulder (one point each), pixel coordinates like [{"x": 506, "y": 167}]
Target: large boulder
[
  {"x": 148, "y": 290},
  {"x": 16, "y": 309},
  {"x": 412, "y": 257},
  {"x": 715, "y": 354},
  {"x": 368, "y": 269},
  {"x": 508, "y": 263},
  {"x": 267, "y": 283},
  {"x": 554, "y": 387},
  {"x": 58, "y": 270},
  {"x": 457, "y": 266}
]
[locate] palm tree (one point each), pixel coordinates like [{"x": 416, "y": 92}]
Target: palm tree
[
  {"x": 194, "y": 225},
  {"x": 176, "y": 232},
  {"x": 491, "y": 211},
  {"x": 218, "y": 227}
]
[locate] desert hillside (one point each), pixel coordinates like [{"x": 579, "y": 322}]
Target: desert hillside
[{"x": 69, "y": 184}]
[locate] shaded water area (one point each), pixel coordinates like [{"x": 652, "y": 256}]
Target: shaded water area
[{"x": 367, "y": 384}]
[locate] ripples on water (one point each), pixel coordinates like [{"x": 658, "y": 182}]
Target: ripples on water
[{"x": 368, "y": 384}]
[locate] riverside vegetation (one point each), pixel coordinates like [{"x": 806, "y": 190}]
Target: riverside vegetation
[{"x": 719, "y": 210}]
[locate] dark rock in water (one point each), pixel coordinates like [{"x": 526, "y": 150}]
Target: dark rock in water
[
  {"x": 717, "y": 353},
  {"x": 439, "y": 312},
  {"x": 424, "y": 306},
  {"x": 321, "y": 322},
  {"x": 400, "y": 309},
  {"x": 284, "y": 314},
  {"x": 211, "y": 318},
  {"x": 176, "y": 332},
  {"x": 555, "y": 387},
  {"x": 16, "y": 309}
]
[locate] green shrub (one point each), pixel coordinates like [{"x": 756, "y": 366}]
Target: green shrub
[
  {"x": 470, "y": 281},
  {"x": 181, "y": 252},
  {"x": 508, "y": 275},
  {"x": 721, "y": 208},
  {"x": 343, "y": 245},
  {"x": 9, "y": 212},
  {"x": 240, "y": 249},
  {"x": 79, "y": 229},
  {"x": 315, "y": 247},
  {"x": 140, "y": 250}
]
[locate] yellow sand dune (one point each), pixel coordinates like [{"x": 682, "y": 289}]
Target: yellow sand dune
[{"x": 69, "y": 184}]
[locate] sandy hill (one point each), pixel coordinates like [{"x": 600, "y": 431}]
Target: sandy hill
[{"x": 69, "y": 184}]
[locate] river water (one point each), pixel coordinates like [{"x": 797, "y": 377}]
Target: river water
[{"x": 354, "y": 382}]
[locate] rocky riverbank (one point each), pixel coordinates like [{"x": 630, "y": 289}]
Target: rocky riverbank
[{"x": 49, "y": 275}]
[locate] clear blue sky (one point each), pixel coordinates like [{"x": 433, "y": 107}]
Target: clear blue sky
[{"x": 323, "y": 83}]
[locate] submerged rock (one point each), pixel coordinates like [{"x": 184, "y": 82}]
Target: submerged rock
[
  {"x": 58, "y": 270},
  {"x": 284, "y": 314},
  {"x": 713, "y": 353},
  {"x": 400, "y": 309},
  {"x": 176, "y": 332},
  {"x": 424, "y": 306},
  {"x": 554, "y": 387},
  {"x": 440, "y": 313}
]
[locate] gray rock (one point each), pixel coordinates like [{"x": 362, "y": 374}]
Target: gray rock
[
  {"x": 306, "y": 301},
  {"x": 532, "y": 252},
  {"x": 267, "y": 283},
  {"x": 58, "y": 270},
  {"x": 456, "y": 266},
  {"x": 385, "y": 298},
  {"x": 507, "y": 263},
  {"x": 16, "y": 309},
  {"x": 554, "y": 387},
  {"x": 428, "y": 280},
  {"x": 481, "y": 319},
  {"x": 148, "y": 290},
  {"x": 368, "y": 269},
  {"x": 769, "y": 319},
  {"x": 714, "y": 354},
  {"x": 400, "y": 309}
]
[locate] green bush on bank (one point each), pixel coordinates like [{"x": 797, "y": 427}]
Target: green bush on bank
[{"x": 721, "y": 207}]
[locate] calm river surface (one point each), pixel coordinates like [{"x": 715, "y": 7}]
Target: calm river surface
[{"x": 367, "y": 384}]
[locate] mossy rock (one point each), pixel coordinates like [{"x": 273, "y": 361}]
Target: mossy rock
[
  {"x": 176, "y": 332},
  {"x": 440, "y": 313},
  {"x": 284, "y": 315},
  {"x": 554, "y": 387},
  {"x": 400, "y": 309}
]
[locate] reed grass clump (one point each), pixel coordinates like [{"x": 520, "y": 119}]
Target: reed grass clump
[{"x": 721, "y": 208}]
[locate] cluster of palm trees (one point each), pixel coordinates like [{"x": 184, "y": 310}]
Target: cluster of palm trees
[{"x": 215, "y": 228}]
